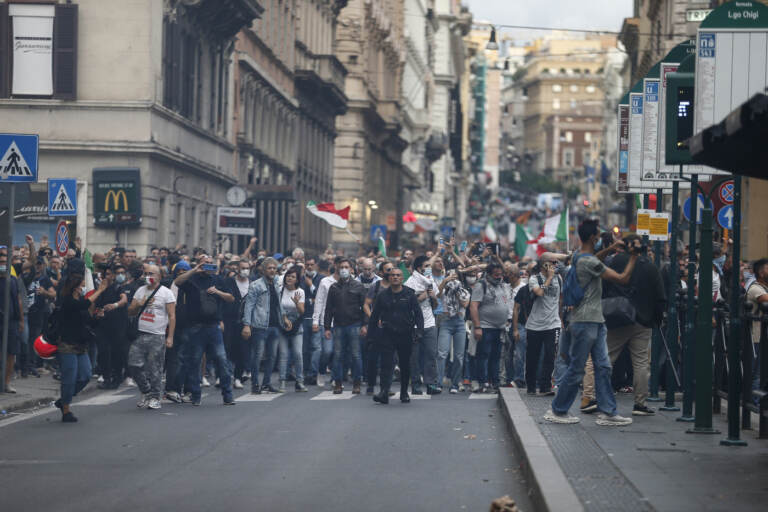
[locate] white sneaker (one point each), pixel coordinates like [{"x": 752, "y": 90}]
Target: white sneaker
[
  {"x": 238, "y": 384},
  {"x": 154, "y": 403},
  {"x": 566, "y": 419},
  {"x": 141, "y": 404},
  {"x": 612, "y": 421},
  {"x": 476, "y": 387},
  {"x": 205, "y": 382},
  {"x": 129, "y": 382},
  {"x": 453, "y": 391},
  {"x": 100, "y": 380}
]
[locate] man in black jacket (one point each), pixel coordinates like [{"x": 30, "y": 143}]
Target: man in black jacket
[
  {"x": 647, "y": 295},
  {"x": 396, "y": 313},
  {"x": 344, "y": 310},
  {"x": 312, "y": 343}
]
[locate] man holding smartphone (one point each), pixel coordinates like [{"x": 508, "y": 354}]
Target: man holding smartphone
[{"x": 543, "y": 327}]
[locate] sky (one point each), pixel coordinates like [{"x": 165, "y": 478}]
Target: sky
[{"x": 589, "y": 14}]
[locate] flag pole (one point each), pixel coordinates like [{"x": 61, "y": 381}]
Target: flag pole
[{"x": 567, "y": 230}]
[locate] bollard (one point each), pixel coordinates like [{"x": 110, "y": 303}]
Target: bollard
[
  {"x": 703, "y": 355},
  {"x": 672, "y": 327},
  {"x": 653, "y": 387},
  {"x": 689, "y": 335},
  {"x": 734, "y": 340}
]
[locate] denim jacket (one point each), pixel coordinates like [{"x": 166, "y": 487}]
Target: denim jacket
[{"x": 256, "y": 310}]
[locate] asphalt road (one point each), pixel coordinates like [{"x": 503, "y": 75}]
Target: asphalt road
[{"x": 290, "y": 453}]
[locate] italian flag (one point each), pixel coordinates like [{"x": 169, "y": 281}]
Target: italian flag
[
  {"x": 518, "y": 239},
  {"x": 382, "y": 245},
  {"x": 329, "y": 213},
  {"x": 555, "y": 228},
  {"x": 490, "y": 232}
]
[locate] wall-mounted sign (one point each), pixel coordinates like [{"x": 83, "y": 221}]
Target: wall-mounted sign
[
  {"x": 32, "y": 49},
  {"x": 116, "y": 197}
]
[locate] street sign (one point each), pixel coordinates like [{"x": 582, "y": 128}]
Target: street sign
[
  {"x": 62, "y": 238},
  {"x": 659, "y": 227},
  {"x": 644, "y": 221},
  {"x": 731, "y": 61},
  {"x": 725, "y": 217},
  {"x": 378, "y": 231},
  {"x": 62, "y": 197},
  {"x": 116, "y": 197},
  {"x": 235, "y": 221},
  {"x": 622, "y": 177},
  {"x": 725, "y": 193},
  {"x": 687, "y": 209},
  {"x": 18, "y": 160}
]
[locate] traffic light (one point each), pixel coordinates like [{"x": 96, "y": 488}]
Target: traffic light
[{"x": 679, "y": 113}]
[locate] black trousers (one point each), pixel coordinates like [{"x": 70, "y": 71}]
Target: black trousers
[
  {"x": 236, "y": 348},
  {"x": 538, "y": 341},
  {"x": 403, "y": 345},
  {"x": 112, "y": 353}
]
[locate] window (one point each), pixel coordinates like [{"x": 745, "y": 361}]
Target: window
[
  {"x": 568, "y": 157},
  {"x": 557, "y": 88},
  {"x": 588, "y": 137},
  {"x": 568, "y": 136},
  {"x": 590, "y": 89},
  {"x": 574, "y": 88},
  {"x": 40, "y": 59},
  {"x": 556, "y": 104}
]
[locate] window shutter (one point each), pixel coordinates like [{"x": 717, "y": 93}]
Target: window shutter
[
  {"x": 65, "y": 52},
  {"x": 5, "y": 51}
]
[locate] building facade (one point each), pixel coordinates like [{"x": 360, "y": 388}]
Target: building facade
[{"x": 151, "y": 94}]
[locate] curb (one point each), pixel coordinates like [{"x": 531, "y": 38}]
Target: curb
[
  {"x": 551, "y": 491},
  {"x": 46, "y": 400}
]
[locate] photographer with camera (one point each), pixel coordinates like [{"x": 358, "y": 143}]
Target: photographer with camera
[
  {"x": 631, "y": 311},
  {"x": 543, "y": 327}
]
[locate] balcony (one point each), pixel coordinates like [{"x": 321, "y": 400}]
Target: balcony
[
  {"x": 224, "y": 18},
  {"x": 323, "y": 72}
]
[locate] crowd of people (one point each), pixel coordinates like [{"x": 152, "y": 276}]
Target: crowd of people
[{"x": 453, "y": 319}]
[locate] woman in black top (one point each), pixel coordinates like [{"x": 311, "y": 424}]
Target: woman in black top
[{"x": 75, "y": 313}]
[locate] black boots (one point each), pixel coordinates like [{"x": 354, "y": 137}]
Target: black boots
[{"x": 381, "y": 398}]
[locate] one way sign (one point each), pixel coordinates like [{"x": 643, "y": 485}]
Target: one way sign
[{"x": 62, "y": 197}]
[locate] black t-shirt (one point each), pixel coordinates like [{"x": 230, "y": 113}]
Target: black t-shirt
[
  {"x": 192, "y": 289},
  {"x": 15, "y": 313},
  {"x": 117, "y": 318},
  {"x": 274, "y": 309},
  {"x": 523, "y": 298},
  {"x": 74, "y": 317},
  {"x": 37, "y": 303}
]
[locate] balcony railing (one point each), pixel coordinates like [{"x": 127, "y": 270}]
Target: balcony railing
[{"x": 326, "y": 67}]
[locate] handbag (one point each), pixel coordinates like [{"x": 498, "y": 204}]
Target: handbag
[
  {"x": 618, "y": 312},
  {"x": 133, "y": 325}
]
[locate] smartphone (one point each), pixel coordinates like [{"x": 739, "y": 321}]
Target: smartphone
[
  {"x": 209, "y": 267},
  {"x": 463, "y": 247}
]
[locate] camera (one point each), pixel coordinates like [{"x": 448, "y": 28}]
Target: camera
[{"x": 641, "y": 249}]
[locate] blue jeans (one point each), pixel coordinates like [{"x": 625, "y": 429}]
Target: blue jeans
[
  {"x": 326, "y": 353},
  {"x": 262, "y": 339},
  {"x": 519, "y": 357},
  {"x": 561, "y": 360},
  {"x": 312, "y": 347},
  {"x": 291, "y": 343},
  {"x": 451, "y": 330},
  {"x": 208, "y": 339},
  {"x": 75, "y": 375},
  {"x": 487, "y": 357},
  {"x": 587, "y": 338},
  {"x": 346, "y": 340}
]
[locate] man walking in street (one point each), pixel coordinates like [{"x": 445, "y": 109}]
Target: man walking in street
[
  {"x": 156, "y": 307},
  {"x": 205, "y": 296},
  {"x": 588, "y": 332},
  {"x": 344, "y": 310},
  {"x": 488, "y": 309},
  {"x": 262, "y": 320},
  {"x": 318, "y": 316},
  {"x": 312, "y": 342},
  {"x": 397, "y": 316},
  {"x": 235, "y": 345},
  {"x": 426, "y": 293}
]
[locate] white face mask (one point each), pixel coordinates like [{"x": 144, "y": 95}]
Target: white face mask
[
  {"x": 344, "y": 273},
  {"x": 245, "y": 273},
  {"x": 471, "y": 280}
]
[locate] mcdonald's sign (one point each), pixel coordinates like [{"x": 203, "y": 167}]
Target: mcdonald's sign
[{"x": 116, "y": 196}]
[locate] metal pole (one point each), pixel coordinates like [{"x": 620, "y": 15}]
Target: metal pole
[
  {"x": 672, "y": 330},
  {"x": 703, "y": 391},
  {"x": 653, "y": 395},
  {"x": 7, "y": 290},
  {"x": 734, "y": 339},
  {"x": 689, "y": 336}
]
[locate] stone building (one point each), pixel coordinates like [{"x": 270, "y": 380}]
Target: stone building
[{"x": 150, "y": 93}]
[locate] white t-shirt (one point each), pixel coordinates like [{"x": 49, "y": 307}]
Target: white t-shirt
[
  {"x": 419, "y": 283},
  {"x": 154, "y": 318},
  {"x": 289, "y": 307},
  {"x": 243, "y": 286}
]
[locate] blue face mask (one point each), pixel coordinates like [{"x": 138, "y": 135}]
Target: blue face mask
[
  {"x": 719, "y": 262},
  {"x": 428, "y": 272},
  {"x": 599, "y": 244}
]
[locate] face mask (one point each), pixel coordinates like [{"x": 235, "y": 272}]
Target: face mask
[
  {"x": 427, "y": 272},
  {"x": 471, "y": 280},
  {"x": 120, "y": 278},
  {"x": 344, "y": 273},
  {"x": 150, "y": 280},
  {"x": 245, "y": 273},
  {"x": 719, "y": 262},
  {"x": 493, "y": 281},
  {"x": 311, "y": 273},
  {"x": 599, "y": 244}
]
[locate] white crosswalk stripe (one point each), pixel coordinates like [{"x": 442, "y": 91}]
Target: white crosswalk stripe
[
  {"x": 483, "y": 396},
  {"x": 106, "y": 399},
  {"x": 328, "y": 395},
  {"x": 248, "y": 397}
]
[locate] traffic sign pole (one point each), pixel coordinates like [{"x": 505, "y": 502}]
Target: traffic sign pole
[
  {"x": 653, "y": 395},
  {"x": 7, "y": 289},
  {"x": 689, "y": 338},
  {"x": 673, "y": 330},
  {"x": 734, "y": 340}
]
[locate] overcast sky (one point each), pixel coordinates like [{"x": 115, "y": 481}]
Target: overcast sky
[{"x": 589, "y": 14}]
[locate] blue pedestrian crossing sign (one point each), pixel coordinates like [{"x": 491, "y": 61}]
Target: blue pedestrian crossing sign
[
  {"x": 725, "y": 217},
  {"x": 62, "y": 197},
  {"x": 18, "y": 158}
]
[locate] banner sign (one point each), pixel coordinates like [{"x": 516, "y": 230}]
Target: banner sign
[
  {"x": 32, "y": 49},
  {"x": 659, "y": 227}
]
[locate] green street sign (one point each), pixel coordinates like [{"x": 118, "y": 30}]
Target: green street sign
[{"x": 116, "y": 197}]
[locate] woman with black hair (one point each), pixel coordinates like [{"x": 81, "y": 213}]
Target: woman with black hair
[{"x": 74, "y": 314}]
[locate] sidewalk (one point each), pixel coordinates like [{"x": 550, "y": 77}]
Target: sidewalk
[
  {"x": 34, "y": 391},
  {"x": 649, "y": 465}
]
